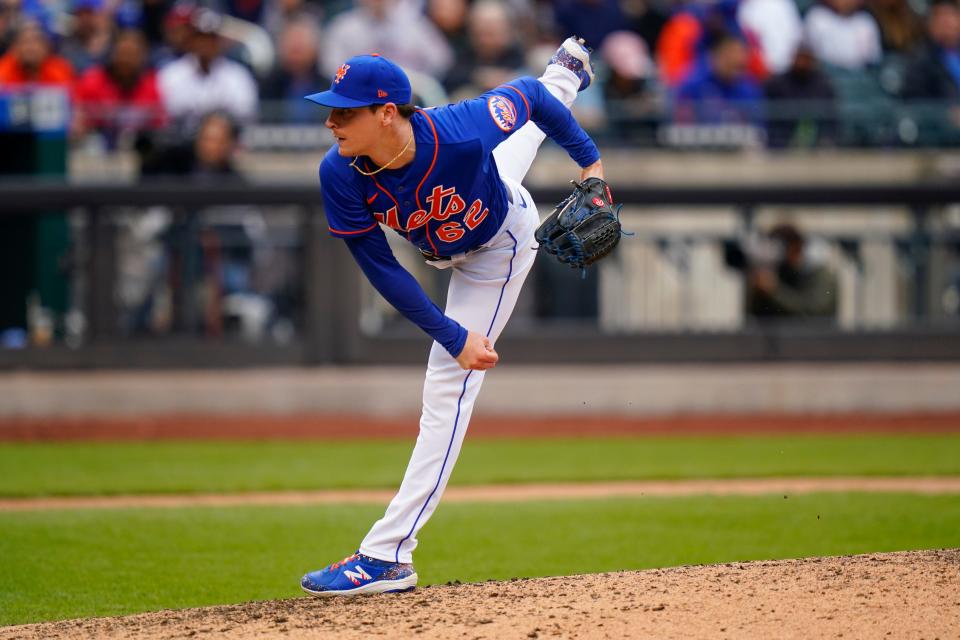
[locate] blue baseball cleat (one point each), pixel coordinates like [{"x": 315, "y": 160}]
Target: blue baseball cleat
[
  {"x": 574, "y": 55},
  {"x": 359, "y": 575}
]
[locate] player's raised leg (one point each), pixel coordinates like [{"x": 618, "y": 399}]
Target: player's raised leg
[{"x": 568, "y": 72}]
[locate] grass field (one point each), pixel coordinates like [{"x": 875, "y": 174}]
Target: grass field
[
  {"x": 63, "y": 564},
  {"x": 75, "y": 563},
  {"x": 190, "y": 467}
]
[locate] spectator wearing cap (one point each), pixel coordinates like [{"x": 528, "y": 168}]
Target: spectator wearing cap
[
  {"x": 120, "y": 97},
  {"x": 297, "y": 74},
  {"x": 842, "y": 34},
  {"x": 722, "y": 92},
  {"x": 90, "y": 34},
  {"x": 397, "y": 30},
  {"x": 30, "y": 59},
  {"x": 176, "y": 31},
  {"x": 493, "y": 55},
  {"x": 934, "y": 71},
  {"x": 204, "y": 80},
  {"x": 631, "y": 101}
]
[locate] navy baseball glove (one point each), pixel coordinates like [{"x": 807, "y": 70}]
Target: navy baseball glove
[{"x": 584, "y": 227}]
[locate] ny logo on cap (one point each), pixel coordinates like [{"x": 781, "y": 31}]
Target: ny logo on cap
[
  {"x": 381, "y": 93},
  {"x": 342, "y": 71}
]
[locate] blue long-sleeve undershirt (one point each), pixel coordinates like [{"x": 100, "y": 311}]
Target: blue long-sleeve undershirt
[{"x": 401, "y": 289}]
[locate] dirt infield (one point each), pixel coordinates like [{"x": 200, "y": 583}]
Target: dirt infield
[
  {"x": 913, "y": 594},
  {"x": 206, "y": 427},
  {"x": 505, "y": 493}
]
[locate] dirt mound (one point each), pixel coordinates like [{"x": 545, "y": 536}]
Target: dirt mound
[{"x": 913, "y": 594}]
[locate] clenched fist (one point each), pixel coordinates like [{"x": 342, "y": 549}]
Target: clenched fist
[{"x": 477, "y": 353}]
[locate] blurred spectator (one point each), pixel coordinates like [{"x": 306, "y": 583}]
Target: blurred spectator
[
  {"x": 790, "y": 285},
  {"x": 934, "y": 71},
  {"x": 591, "y": 20},
  {"x": 210, "y": 252},
  {"x": 842, "y": 34},
  {"x": 800, "y": 107},
  {"x": 450, "y": 17},
  {"x": 392, "y": 28},
  {"x": 647, "y": 18},
  {"x": 296, "y": 76},
  {"x": 631, "y": 101},
  {"x": 777, "y": 27},
  {"x": 121, "y": 96},
  {"x": 493, "y": 55},
  {"x": 210, "y": 157},
  {"x": 205, "y": 80},
  {"x": 722, "y": 92},
  {"x": 30, "y": 59},
  {"x": 901, "y": 29},
  {"x": 176, "y": 34},
  {"x": 690, "y": 33},
  {"x": 284, "y": 12},
  {"x": 90, "y": 35}
]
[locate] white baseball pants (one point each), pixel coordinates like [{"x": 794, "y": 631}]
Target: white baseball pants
[{"x": 484, "y": 287}]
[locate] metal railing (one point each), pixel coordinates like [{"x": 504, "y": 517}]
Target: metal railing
[{"x": 326, "y": 315}]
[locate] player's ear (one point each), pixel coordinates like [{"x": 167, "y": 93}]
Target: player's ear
[{"x": 388, "y": 113}]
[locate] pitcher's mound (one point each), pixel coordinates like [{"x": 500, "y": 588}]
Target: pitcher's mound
[{"x": 914, "y": 594}]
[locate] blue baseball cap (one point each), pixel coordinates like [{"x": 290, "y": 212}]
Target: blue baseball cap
[{"x": 365, "y": 80}]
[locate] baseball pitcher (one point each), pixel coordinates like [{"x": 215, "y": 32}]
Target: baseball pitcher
[{"x": 448, "y": 180}]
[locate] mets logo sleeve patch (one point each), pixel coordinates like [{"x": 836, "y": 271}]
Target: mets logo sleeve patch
[{"x": 503, "y": 112}]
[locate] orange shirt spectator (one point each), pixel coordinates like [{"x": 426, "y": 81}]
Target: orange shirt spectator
[
  {"x": 31, "y": 60},
  {"x": 688, "y": 35}
]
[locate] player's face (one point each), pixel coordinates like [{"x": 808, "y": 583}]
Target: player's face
[{"x": 357, "y": 131}]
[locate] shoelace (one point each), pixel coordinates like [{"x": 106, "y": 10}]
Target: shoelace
[{"x": 337, "y": 565}]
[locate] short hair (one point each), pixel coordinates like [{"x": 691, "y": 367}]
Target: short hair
[
  {"x": 233, "y": 125},
  {"x": 722, "y": 39},
  {"x": 788, "y": 234},
  {"x": 406, "y": 111}
]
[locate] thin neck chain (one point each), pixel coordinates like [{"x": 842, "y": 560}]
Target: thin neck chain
[{"x": 372, "y": 173}]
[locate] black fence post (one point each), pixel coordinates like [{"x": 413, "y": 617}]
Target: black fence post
[
  {"x": 316, "y": 271},
  {"x": 920, "y": 257}
]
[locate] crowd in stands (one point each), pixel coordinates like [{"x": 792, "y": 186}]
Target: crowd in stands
[{"x": 135, "y": 66}]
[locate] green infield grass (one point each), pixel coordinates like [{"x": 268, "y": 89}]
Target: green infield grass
[
  {"x": 81, "y": 563},
  {"x": 190, "y": 467}
]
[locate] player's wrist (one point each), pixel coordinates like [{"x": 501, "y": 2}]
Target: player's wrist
[{"x": 456, "y": 348}]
